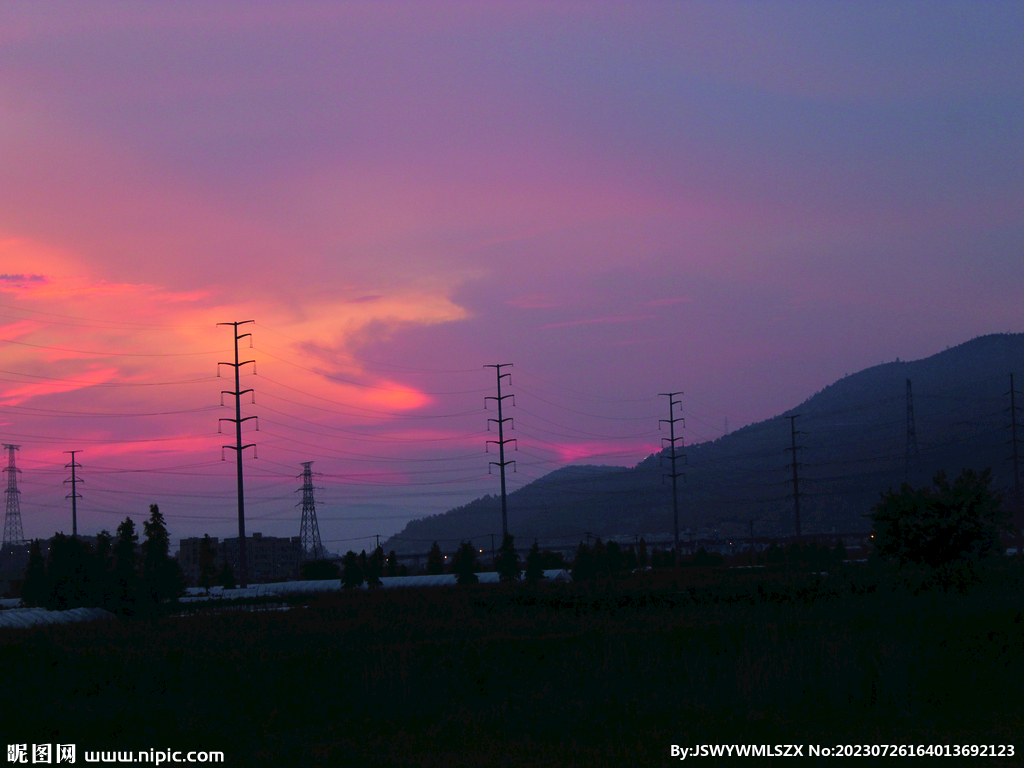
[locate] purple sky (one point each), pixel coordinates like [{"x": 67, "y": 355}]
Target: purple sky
[{"x": 741, "y": 201}]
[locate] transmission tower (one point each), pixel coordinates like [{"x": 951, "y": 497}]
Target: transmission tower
[
  {"x": 913, "y": 457},
  {"x": 673, "y": 457},
  {"x": 501, "y": 441},
  {"x": 309, "y": 530},
  {"x": 238, "y": 447},
  {"x": 796, "y": 478},
  {"x": 74, "y": 495},
  {"x": 14, "y": 535},
  {"x": 1018, "y": 521}
]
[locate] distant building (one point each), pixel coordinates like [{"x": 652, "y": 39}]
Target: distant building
[{"x": 270, "y": 558}]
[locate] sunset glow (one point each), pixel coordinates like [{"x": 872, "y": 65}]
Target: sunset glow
[{"x": 742, "y": 202}]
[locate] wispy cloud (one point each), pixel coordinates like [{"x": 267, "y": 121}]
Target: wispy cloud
[{"x": 597, "y": 321}]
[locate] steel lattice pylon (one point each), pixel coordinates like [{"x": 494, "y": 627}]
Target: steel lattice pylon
[
  {"x": 309, "y": 531},
  {"x": 14, "y": 535}
]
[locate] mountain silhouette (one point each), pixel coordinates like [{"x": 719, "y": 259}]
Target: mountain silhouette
[{"x": 853, "y": 445}]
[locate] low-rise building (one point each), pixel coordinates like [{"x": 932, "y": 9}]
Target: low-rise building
[{"x": 270, "y": 558}]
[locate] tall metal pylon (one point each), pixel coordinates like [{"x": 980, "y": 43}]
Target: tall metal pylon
[
  {"x": 74, "y": 495},
  {"x": 1018, "y": 513},
  {"x": 796, "y": 477},
  {"x": 673, "y": 457},
  {"x": 913, "y": 457},
  {"x": 238, "y": 447},
  {"x": 501, "y": 441},
  {"x": 14, "y": 534},
  {"x": 309, "y": 530}
]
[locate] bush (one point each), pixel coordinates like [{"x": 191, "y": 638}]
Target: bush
[
  {"x": 534, "y": 567},
  {"x": 940, "y": 525},
  {"x": 507, "y": 563},
  {"x": 320, "y": 570},
  {"x": 464, "y": 564},
  {"x": 435, "y": 562},
  {"x": 352, "y": 572}
]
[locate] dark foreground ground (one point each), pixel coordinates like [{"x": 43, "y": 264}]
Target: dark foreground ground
[{"x": 609, "y": 674}]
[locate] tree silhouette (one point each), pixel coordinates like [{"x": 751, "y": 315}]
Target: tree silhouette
[
  {"x": 839, "y": 553},
  {"x": 507, "y": 562},
  {"x": 69, "y": 573},
  {"x": 207, "y": 563},
  {"x": 631, "y": 562},
  {"x": 435, "y": 562},
  {"x": 351, "y": 571},
  {"x": 703, "y": 558},
  {"x": 375, "y": 567},
  {"x": 363, "y": 565},
  {"x": 939, "y": 525},
  {"x": 226, "y": 576},
  {"x": 125, "y": 566},
  {"x": 616, "y": 560},
  {"x": 103, "y": 570},
  {"x": 583, "y": 566},
  {"x": 161, "y": 576},
  {"x": 35, "y": 590},
  {"x": 320, "y": 570},
  {"x": 599, "y": 553},
  {"x": 641, "y": 554},
  {"x": 464, "y": 564},
  {"x": 392, "y": 563},
  {"x": 534, "y": 567}
]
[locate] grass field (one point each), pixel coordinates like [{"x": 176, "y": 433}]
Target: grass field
[{"x": 601, "y": 674}]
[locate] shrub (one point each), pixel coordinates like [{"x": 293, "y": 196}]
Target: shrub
[{"x": 939, "y": 525}]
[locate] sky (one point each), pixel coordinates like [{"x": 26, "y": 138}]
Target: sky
[{"x": 740, "y": 201}]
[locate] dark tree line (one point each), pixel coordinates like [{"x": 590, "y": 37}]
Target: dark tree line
[
  {"x": 606, "y": 560},
  {"x": 507, "y": 563},
  {"x": 355, "y": 569},
  {"x": 112, "y": 575}
]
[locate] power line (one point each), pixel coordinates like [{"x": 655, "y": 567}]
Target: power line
[{"x": 109, "y": 354}]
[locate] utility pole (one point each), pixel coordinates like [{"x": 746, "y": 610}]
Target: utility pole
[
  {"x": 74, "y": 495},
  {"x": 501, "y": 441},
  {"x": 494, "y": 558},
  {"x": 913, "y": 457},
  {"x": 238, "y": 447},
  {"x": 14, "y": 535},
  {"x": 671, "y": 440},
  {"x": 309, "y": 529},
  {"x": 796, "y": 480},
  {"x": 1018, "y": 522},
  {"x": 377, "y": 537}
]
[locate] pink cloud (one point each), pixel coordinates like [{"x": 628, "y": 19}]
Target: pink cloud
[
  {"x": 16, "y": 395},
  {"x": 570, "y": 452}
]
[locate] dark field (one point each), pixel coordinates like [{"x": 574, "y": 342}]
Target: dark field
[{"x": 609, "y": 674}]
